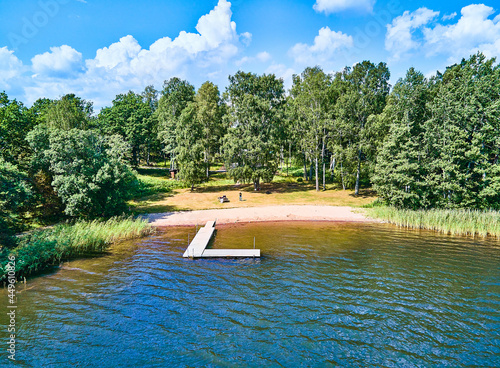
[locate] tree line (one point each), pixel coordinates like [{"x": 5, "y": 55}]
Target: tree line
[{"x": 428, "y": 142}]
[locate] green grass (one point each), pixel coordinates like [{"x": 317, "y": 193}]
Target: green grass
[
  {"x": 455, "y": 222},
  {"x": 151, "y": 184},
  {"x": 41, "y": 249}
]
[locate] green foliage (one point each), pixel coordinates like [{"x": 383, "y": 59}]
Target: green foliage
[
  {"x": 150, "y": 185},
  {"x": 209, "y": 115},
  {"x": 444, "y": 139},
  {"x": 88, "y": 172},
  {"x": 363, "y": 90},
  {"x": 39, "y": 250},
  {"x": 70, "y": 112},
  {"x": 176, "y": 95},
  {"x": 190, "y": 148},
  {"x": 131, "y": 117},
  {"x": 401, "y": 164},
  {"x": 254, "y": 138},
  {"x": 15, "y": 195},
  {"x": 313, "y": 100},
  {"x": 15, "y": 123}
]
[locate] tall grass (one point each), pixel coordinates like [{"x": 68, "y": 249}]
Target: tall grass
[
  {"x": 455, "y": 222},
  {"x": 41, "y": 249}
]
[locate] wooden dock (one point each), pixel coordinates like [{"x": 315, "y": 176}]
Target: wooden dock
[{"x": 197, "y": 248}]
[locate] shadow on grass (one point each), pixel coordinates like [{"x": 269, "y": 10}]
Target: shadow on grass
[
  {"x": 282, "y": 187},
  {"x": 156, "y": 172},
  {"x": 365, "y": 193}
]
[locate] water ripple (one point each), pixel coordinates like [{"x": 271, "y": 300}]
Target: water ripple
[{"x": 323, "y": 295}]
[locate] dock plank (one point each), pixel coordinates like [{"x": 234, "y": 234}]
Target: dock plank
[
  {"x": 231, "y": 253},
  {"x": 197, "y": 248}
]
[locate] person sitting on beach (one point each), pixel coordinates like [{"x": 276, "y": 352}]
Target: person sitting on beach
[{"x": 223, "y": 199}]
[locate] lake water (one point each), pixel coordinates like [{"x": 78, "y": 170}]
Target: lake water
[{"x": 322, "y": 295}]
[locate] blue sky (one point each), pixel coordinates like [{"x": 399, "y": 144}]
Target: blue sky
[{"x": 97, "y": 49}]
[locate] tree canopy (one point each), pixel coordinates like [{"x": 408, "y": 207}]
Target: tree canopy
[{"x": 256, "y": 111}]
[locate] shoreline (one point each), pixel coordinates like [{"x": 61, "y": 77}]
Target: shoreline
[{"x": 259, "y": 214}]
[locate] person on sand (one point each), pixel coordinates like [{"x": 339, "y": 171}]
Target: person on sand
[{"x": 241, "y": 197}]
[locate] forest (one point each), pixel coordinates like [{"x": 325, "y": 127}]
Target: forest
[{"x": 423, "y": 143}]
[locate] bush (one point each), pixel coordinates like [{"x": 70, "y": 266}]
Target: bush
[{"x": 88, "y": 171}]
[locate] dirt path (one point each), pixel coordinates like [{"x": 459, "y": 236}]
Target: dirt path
[{"x": 254, "y": 214}]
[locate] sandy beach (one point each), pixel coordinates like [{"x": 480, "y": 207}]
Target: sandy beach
[{"x": 256, "y": 214}]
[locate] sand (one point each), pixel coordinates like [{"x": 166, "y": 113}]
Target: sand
[{"x": 256, "y": 214}]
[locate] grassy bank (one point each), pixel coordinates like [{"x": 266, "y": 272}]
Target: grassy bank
[
  {"x": 41, "y": 249},
  {"x": 455, "y": 222},
  {"x": 284, "y": 190}
]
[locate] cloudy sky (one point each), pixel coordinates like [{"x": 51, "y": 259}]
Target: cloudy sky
[{"x": 97, "y": 49}]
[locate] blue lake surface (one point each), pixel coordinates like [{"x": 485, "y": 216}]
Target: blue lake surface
[{"x": 322, "y": 295}]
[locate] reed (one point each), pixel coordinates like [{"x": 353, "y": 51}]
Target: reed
[
  {"x": 42, "y": 249},
  {"x": 455, "y": 222}
]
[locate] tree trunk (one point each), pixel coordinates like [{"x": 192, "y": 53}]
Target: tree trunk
[
  {"x": 207, "y": 164},
  {"x": 317, "y": 174},
  {"x": 289, "y": 160},
  {"x": 282, "y": 159},
  {"x": 305, "y": 167},
  {"x": 332, "y": 167},
  {"x": 356, "y": 188},
  {"x": 256, "y": 184},
  {"x": 342, "y": 174},
  {"x": 323, "y": 160},
  {"x": 324, "y": 175},
  {"x": 134, "y": 157}
]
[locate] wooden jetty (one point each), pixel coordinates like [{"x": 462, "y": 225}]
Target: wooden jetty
[{"x": 197, "y": 248}]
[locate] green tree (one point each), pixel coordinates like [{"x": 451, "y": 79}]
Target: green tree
[
  {"x": 190, "y": 150},
  {"x": 313, "y": 102},
  {"x": 15, "y": 123},
  {"x": 88, "y": 170},
  {"x": 363, "y": 90},
  {"x": 252, "y": 145},
  {"x": 15, "y": 195},
  {"x": 209, "y": 115},
  {"x": 403, "y": 160},
  {"x": 464, "y": 135},
  {"x": 175, "y": 96},
  {"x": 131, "y": 118},
  {"x": 68, "y": 113}
]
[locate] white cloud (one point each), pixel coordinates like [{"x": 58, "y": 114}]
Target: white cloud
[
  {"x": 399, "y": 39},
  {"x": 449, "y": 16},
  {"x": 126, "y": 65},
  {"x": 10, "y": 67},
  {"x": 118, "y": 55},
  {"x": 246, "y": 38},
  {"x": 416, "y": 32},
  {"x": 59, "y": 62},
  {"x": 262, "y": 57},
  {"x": 334, "y": 6},
  {"x": 473, "y": 31},
  {"x": 326, "y": 46}
]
